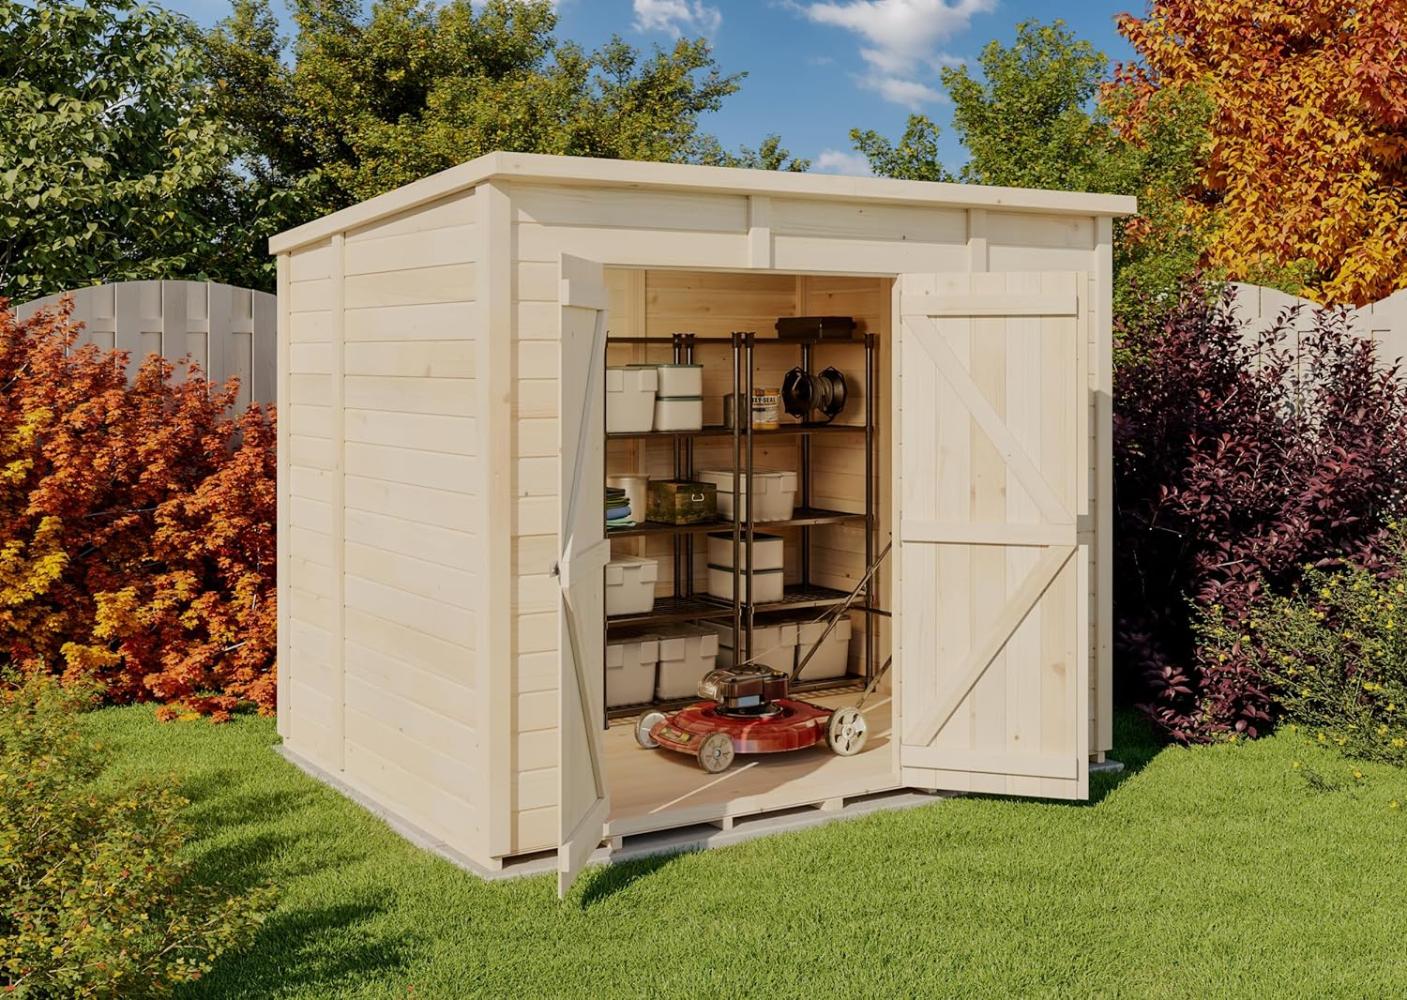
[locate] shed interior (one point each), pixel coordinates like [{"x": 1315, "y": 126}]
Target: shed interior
[{"x": 824, "y": 541}]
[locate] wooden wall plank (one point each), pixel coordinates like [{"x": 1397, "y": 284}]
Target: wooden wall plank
[
  {"x": 420, "y": 321},
  {"x": 285, "y": 491},
  {"x": 606, "y": 209},
  {"x": 496, "y": 331},
  {"x": 448, "y": 283},
  {"x": 339, "y": 506},
  {"x": 456, "y": 210},
  {"x": 439, "y": 508},
  {"x": 412, "y": 251},
  {"x": 433, "y": 470},
  {"x": 399, "y": 642}
]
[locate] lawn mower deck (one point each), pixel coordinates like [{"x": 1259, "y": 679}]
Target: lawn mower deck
[{"x": 748, "y": 712}]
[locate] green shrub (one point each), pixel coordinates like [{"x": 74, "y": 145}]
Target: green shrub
[
  {"x": 1334, "y": 654},
  {"x": 96, "y": 899}
]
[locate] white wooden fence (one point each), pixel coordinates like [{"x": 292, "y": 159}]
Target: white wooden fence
[
  {"x": 1385, "y": 321},
  {"x": 228, "y": 331}
]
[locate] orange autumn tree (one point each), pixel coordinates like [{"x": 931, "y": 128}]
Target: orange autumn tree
[
  {"x": 136, "y": 525},
  {"x": 1307, "y": 159}
]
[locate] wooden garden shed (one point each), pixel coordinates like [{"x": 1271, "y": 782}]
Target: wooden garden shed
[{"x": 442, "y": 448}]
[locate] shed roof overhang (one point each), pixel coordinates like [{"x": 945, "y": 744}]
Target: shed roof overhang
[{"x": 585, "y": 172}]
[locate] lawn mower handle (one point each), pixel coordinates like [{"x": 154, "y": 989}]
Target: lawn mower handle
[{"x": 839, "y": 610}]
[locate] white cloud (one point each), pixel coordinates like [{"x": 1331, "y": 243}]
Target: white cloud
[
  {"x": 910, "y": 93},
  {"x": 838, "y": 161},
  {"x": 675, "y": 17},
  {"x": 901, "y": 40}
]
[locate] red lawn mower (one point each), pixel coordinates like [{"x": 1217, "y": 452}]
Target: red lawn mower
[{"x": 747, "y": 710}]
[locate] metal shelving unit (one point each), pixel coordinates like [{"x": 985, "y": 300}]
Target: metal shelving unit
[{"x": 743, "y": 610}]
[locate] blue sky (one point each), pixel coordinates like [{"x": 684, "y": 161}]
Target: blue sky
[{"x": 817, "y": 68}]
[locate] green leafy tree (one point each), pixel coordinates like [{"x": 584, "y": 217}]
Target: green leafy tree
[
  {"x": 1027, "y": 121},
  {"x": 914, "y": 157},
  {"x": 369, "y": 102},
  {"x": 113, "y": 164},
  {"x": 770, "y": 155},
  {"x": 1040, "y": 116}
]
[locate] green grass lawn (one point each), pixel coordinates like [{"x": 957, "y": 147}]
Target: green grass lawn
[{"x": 1214, "y": 871}]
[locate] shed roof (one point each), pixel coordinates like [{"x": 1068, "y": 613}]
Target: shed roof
[{"x": 584, "y": 171}]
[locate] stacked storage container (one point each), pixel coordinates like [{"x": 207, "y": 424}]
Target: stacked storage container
[
  {"x": 679, "y": 405},
  {"x": 766, "y": 565}
]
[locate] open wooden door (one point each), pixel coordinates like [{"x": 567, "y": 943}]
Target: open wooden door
[
  {"x": 581, "y": 569},
  {"x": 995, "y": 537}
]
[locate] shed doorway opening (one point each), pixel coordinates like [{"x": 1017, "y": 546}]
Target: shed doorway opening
[{"x": 820, "y": 488}]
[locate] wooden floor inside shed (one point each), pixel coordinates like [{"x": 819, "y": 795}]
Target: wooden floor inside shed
[{"x": 658, "y": 790}]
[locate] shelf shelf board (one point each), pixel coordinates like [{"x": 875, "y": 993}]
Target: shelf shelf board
[
  {"x": 669, "y": 610},
  {"x": 808, "y": 517},
  {"x": 720, "y": 431},
  {"x": 802, "y": 517},
  {"x": 657, "y": 528},
  {"x": 799, "y": 597},
  {"x": 703, "y": 607}
]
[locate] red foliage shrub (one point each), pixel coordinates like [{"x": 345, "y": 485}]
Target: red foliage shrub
[
  {"x": 1239, "y": 460},
  {"x": 136, "y": 524}
]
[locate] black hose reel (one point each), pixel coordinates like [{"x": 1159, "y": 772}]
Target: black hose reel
[{"x": 804, "y": 394}]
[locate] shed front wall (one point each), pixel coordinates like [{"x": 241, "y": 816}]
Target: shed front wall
[
  {"x": 653, "y": 230},
  {"x": 381, "y": 503}
]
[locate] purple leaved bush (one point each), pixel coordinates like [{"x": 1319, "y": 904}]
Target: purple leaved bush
[{"x": 1239, "y": 459}]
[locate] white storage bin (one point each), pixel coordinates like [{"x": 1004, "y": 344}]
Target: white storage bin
[
  {"x": 767, "y": 550},
  {"x": 773, "y": 645},
  {"x": 637, "y": 492},
  {"x": 774, "y": 493},
  {"x": 681, "y": 380},
  {"x": 833, "y": 658},
  {"x": 630, "y": 399},
  {"x": 767, "y": 585},
  {"x": 630, "y": 585},
  {"x": 630, "y": 671},
  {"x": 687, "y": 652},
  {"x": 678, "y": 413}
]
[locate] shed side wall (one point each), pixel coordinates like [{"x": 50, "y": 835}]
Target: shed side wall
[{"x": 385, "y": 488}]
